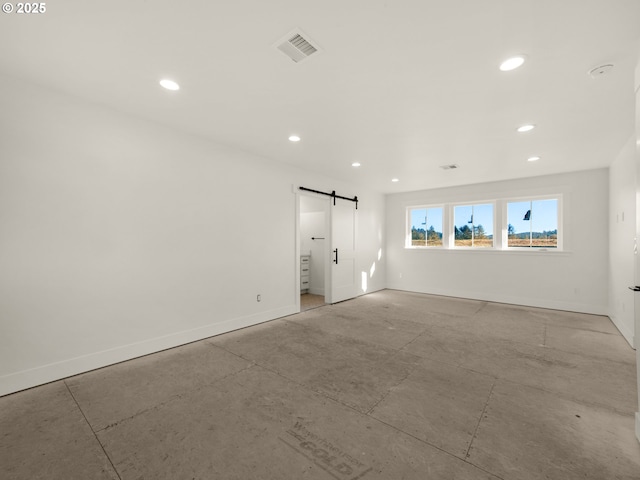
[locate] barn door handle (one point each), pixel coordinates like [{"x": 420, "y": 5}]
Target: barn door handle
[
  {"x": 335, "y": 260},
  {"x": 635, "y": 289}
]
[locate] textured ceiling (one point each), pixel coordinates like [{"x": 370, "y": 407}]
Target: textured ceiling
[{"x": 401, "y": 87}]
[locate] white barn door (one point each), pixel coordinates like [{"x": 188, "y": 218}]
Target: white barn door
[{"x": 343, "y": 251}]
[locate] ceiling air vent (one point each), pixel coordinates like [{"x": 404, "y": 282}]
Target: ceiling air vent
[
  {"x": 449, "y": 167},
  {"x": 297, "y": 46},
  {"x": 601, "y": 70}
]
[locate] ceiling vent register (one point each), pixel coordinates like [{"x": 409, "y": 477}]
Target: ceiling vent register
[{"x": 297, "y": 46}]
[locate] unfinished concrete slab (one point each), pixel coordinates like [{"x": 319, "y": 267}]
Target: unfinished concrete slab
[
  {"x": 594, "y": 343},
  {"x": 43, "y": 435},
  {"x": 351, "y": 371},
  {"x": 463, "y": 345},
  {"x": 580, "y": 377},
  {"x": 438, "y": 403},
  {"x": 503, "y": 322},
  {"x": 272, "y": 429},
  {"x": 109, "y": 395},
  {"x": 581, "y": 321},
  {"x": 374, "y": 325},
  {"x": 527, "y": 433},
  {"x": 409, "y": 302},
  {"x": 391, "y": 385}
]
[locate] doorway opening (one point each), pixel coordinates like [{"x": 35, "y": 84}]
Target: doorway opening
[{"x": 314, "y": 244}]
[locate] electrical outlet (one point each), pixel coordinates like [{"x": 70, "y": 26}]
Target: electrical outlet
[{"x": 258, "y": 298}]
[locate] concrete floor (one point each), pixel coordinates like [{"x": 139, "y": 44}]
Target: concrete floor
[{"x": 392, "y": 385}]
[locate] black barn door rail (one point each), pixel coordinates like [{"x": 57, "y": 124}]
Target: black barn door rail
[{"x": 332, "y": 195}]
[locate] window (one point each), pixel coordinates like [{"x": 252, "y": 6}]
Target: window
[
  {"x": 426, "y": 226},
  {"x": 473, "y": 225},
  {"x": 532, "y": 224}
]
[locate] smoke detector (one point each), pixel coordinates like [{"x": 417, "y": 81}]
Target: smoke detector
[
  {"x": 451, "y": 166},
  {"x": 297, "y": 46},
  {"x": 601, "y": 70}
]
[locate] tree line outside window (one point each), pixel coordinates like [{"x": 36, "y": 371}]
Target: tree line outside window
[
  {"x": 426, "y": 227},
  {"x": 473, "y": 225}
]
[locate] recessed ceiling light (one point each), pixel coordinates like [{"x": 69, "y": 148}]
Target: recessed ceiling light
[
  {"x": 395, "y": 179},
  {"x": 526, "y": 128},
  {"x": 355, "y": 164},
  {"x": 294, "y": 138},
  {"x": 533, "y": 159},
  {"x": 169, "y": 84},
  {"x": 512, "y": 63}
]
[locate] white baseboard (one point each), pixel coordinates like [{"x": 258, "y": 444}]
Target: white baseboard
[
  {"x": 524, "y": 301},
  {"x": 624, "y": 330},
  {"x": 316, "y": 291},
  {"x": 22, "y": 380}
]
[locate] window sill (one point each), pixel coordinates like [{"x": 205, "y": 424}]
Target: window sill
[{"x": 495, "y": 251}]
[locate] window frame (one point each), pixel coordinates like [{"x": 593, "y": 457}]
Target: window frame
[
  {"x": 500, "y": 224},
  {"x": 533, "y": 198},
  {"x": 452, "y": 229},
  {"x": 408, "y": 226}
]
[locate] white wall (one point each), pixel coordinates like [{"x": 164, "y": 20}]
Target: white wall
[
  {"x": 575, "y": 279},
  {"x": 121, "y": 237},
  {"x": 622, "y": 230}
]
